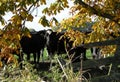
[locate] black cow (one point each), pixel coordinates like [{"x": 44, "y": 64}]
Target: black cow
[
  {"x": 96, "y": 52},
  {"x": 57, "y": 44},
  {"x": 80, "y": 51},
  {"x": 77, "y": 53},
  {"x": 60, "y": 45},
  {"x": 34, "y": 44}
]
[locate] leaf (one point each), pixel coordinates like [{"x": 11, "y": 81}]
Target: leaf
[
  {"x": 30, "y": 18},
  {"x": 26, "y": 33},
  {"x": 59, "y": 8},
  {"x": 23, "y": 14},
  {"x": 43, "y": 2},
  {"x": 45, "y": 10},
  {"x": 44, "y": 21},
  {"x": 1, "y": 64},
  {"x": 18, "y": 36},
  {"x": 16, "y": 19},
  {"x": 19, "y": 21},
  {"x": 54, "y": 21},
  {"x": 2, "y": 20}
]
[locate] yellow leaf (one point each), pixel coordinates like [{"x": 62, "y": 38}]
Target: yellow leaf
[
  {"x": 1, "y": 64},
  {"x": 43, "y": 2},
  {"x": 23, "y": 14},
  {"x": 44, "y": 21},
  {"x": 113, "y": 23},
  {"x": 29, "y": 35},
  {"x": 30, "y": 18},
  {"x": 19, "y": 21},
  {"x": 18, "y": 35}
]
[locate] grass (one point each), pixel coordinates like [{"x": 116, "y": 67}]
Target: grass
[
  {"x": 58, "y": 73},
  {"x": 12, "y": 73},
  {"x": 88, "y": 54}
]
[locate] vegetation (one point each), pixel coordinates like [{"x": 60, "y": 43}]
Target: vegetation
[
  {"x": 105, "y": 29},
  {"x": 104, "y": 13},
  {"x": 12, "y": 73}
]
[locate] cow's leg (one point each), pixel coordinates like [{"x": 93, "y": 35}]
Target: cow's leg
[
  {"x": 38, "y": 56},
  {"x": 93, "y": 52},
  {"x": 42, "y": 55},
  {"x": 28, "y": 56},
  {"x": 50, "y": 57},
  {"x": 84, "y": 55},
  {"x": 34, "y": 56},
  {"x": 98, "y": 53},
  {"x": 20, "y": 59}
]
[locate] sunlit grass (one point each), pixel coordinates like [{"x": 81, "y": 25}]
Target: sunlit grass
[{"x": 88, "y": 54}]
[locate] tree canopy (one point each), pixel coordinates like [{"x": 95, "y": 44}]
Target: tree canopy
[{"x": 104, "y": 14}]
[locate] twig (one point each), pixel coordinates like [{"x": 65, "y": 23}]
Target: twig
[
  {"x": 110, "y": 67},
  {"x": 81, "y": 67},
  {"x": 62, "y": 68}
]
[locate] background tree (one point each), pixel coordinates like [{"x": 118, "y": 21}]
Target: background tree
[{"x": 106, "y": 21}]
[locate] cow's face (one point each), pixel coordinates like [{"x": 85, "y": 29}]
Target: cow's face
[{"x": 49, "y": 31}]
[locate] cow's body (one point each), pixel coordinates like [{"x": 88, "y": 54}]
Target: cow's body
[
  {"x": 34, "y": 44},
  {"x": 78, "y": 53},
  {"x": 57, "y": 44}
]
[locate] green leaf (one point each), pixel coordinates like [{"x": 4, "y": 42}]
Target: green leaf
[{"x": 44, "y": 21}]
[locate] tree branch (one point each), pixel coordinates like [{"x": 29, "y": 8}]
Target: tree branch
[
  {"x": 103, "y": 43},
  {"x": 98, "y": 12},
  {"x": 24, "y": 21}
]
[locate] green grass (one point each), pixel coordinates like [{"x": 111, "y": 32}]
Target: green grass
[
  {"x": 46, "y": 57},
  {"x": 88, "y": 54},
  {"x": 45, "y": 54}
]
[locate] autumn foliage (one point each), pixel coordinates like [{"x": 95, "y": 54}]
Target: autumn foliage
[{"x": 104, "y": 14}]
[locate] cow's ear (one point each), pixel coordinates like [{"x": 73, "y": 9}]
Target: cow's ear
[{"x": 49, "y": 31}]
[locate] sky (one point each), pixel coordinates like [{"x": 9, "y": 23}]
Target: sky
[{"x": 38, "y": 13}]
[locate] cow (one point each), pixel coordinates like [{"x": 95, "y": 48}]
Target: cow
[
  {"x": 58, "y": 44},
  {"x": 77, "y": 53},
  {"x": 34, "y": 44},
  {"x": 96, "y": 52}
]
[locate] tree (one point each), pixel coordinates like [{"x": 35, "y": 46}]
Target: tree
[
  {"x": 105, "y": 14},
  {"x": 106, "y": 21},
  {"x": 13, "y": 30}
]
